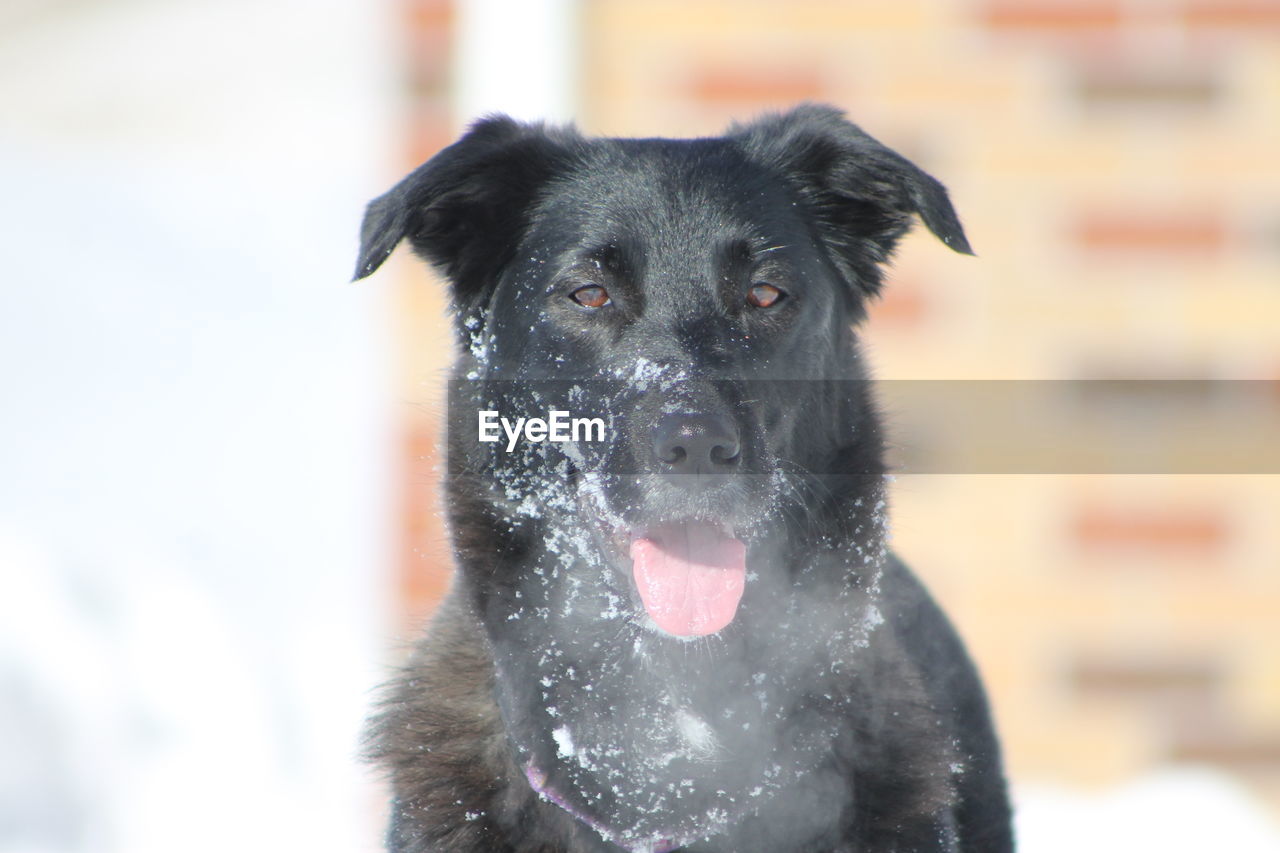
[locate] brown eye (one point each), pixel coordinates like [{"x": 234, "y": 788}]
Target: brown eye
[
  {"x": 591, "y": 296},
  {"x": 764, "y": 296}
]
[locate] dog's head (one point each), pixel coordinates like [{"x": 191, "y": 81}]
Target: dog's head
[{"x": 698, "y": 296}]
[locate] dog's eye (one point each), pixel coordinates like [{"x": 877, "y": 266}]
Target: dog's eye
[
  {"x": 591, "y": 296},
  {"x": 764, "y": 296}
]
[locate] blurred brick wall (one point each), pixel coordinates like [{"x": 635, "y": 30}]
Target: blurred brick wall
[
  {"x": 1117, "y": 166},
  {"x": 421, "y": 326}
]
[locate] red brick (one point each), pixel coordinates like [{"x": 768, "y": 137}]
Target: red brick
[
  {"x": 1142, "y": 89},
  {"x": 429, "y": 16},
  {"x": 1051, "y": 15},
  {"x": 428, "y": 70},
  {"x": 429, "y": 130},
  {"x": 424, "y": 556},
  {"x": 1241, "y": 752},
  {"x": 1174, "y": 232},
  {"x": 1248, "y": 15},
  {"x": 754, "y": 86},
  {"x": 1155, "y": 529},
  {"x": 1161, "y": 680},
  {"x": 900, "y": 305}
]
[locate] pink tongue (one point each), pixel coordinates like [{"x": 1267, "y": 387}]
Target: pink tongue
[{"x": 690, "y": 577}]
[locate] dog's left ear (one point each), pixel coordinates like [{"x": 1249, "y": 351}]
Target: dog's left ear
[
  {"x": 465, "y": 209},
  {"x": 862, "y": 194}
]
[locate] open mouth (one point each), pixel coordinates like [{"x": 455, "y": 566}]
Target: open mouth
[{"x": 690, "y": 576}]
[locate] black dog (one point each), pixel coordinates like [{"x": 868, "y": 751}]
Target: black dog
[{"x": 688, "y": 635}]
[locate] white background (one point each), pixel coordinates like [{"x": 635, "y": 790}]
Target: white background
[{"x": 194, "y": 431}]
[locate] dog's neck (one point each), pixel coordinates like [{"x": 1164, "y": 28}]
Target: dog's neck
[{"x": 656, "y": 742}]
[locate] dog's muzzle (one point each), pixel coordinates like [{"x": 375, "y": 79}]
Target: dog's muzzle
[{"x": 696, "y": 451}]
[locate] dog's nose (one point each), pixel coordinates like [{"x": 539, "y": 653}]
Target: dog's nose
[{"x": 705, "y": 445}]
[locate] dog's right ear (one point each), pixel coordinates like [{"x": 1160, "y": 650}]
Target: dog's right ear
[{"x": 465, "y": 209}]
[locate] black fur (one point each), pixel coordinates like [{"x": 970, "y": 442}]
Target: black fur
[{"x": 838, "y": 710}]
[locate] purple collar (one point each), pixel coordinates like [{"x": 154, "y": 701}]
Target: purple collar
[{"x": 663, "y": 843}]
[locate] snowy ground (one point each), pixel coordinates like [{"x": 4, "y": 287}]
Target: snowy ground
[{"x": 1185, "y": 810}]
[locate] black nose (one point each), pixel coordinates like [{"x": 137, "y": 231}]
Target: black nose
[{"x": 705, "y": 445}]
